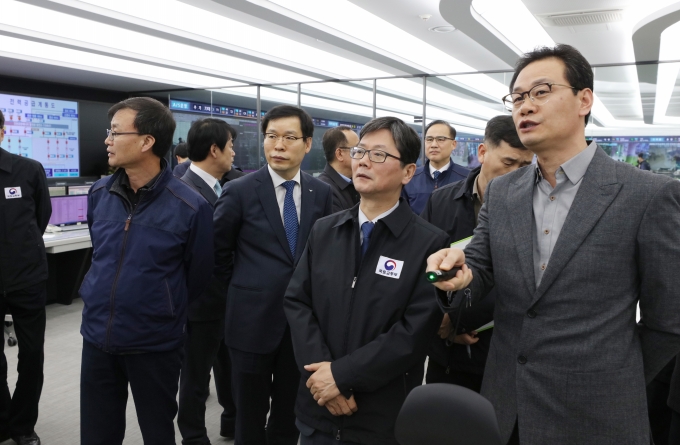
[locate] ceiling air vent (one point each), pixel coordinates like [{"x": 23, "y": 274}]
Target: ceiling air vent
[{"x": 582, "y": 18}]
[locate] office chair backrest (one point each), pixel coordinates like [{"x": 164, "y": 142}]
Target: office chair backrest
[{"x": 443, "y": 414}]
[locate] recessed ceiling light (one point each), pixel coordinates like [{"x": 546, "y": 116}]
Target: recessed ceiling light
[{"x": 443, "y": 29}]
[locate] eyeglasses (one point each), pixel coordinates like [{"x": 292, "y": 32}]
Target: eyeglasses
[
  {"x": 539, "y": 95},
  {"x": 439, "y": 139},
  {"x": 377, "y": 156},
  {"x": 270, "y": 138},
  {"x": 113, "y": 134}
]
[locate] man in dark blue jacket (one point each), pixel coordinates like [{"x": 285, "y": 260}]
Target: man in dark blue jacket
[
  {"x": 439, "y": 169},
  {"x": 459, "y": 357},
  {"x": 153, "y": 249}
]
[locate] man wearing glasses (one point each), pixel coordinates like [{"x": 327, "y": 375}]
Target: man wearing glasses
[
  {"x": 338, "y": 171},
  {"x": 361, "y": 313},
  {"x": 572, "y": 245},
  {"x": 261, "y": 226},
  {"x": 439, "y": 169},
  {"x": 152, "y": 251}
]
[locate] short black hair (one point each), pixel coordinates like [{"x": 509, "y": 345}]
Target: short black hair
[
  {"x": 281, "y": 111},
  {"x": 406, "y": 139},
  {"x": 502, "y": 128},
  {"x": 203, "y": 134},
  {"x": 2, "y": 120},
  {"x": 152, "y": 118},
  {"x": 181, "y": 150},
  {"x": 641, "y": 155},
  {"x": 452, "y": 130},
  {"x": 332, "y": 139},
  {"x": 578, "y": 71}
]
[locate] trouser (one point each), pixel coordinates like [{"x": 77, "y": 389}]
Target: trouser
[
  {"x": 253, "y": 388},
  {"x": 204, "y": 349},
  {"x": 659, "y": 412},
  {"x": 436, "y": 373},
  {"x": 310, "y": 436},
  {"x": 153, "y": 378},
  {"x": 674, "y": 435},
  {"x": 19, "y": 412}
]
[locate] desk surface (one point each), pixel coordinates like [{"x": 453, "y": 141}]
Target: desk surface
[{"x": 58, "y": 242}]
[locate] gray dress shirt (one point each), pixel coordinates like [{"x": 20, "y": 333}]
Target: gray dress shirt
[{"x": 551, "y": 205}]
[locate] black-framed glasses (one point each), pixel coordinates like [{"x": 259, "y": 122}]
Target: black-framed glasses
[
  {"x": 538, "y": 94},
  {"x": 113, "y": 134},
  {"x": 439, "y": 139},
  {"x": 377, "y": 156},
  {"x": 287, "y": 139}
]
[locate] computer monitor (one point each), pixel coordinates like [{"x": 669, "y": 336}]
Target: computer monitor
[
  {"x": 68, "y": 210},
  {"x": 78, "y": 189},
  {"x": 57, "y": 190}
]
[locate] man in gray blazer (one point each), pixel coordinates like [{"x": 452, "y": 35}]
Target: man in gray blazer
[{"x": 572, "y": 245}]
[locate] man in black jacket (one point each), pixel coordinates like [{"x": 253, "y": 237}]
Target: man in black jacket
[
  {"x": 358, "y": 304},
  {"x": 210, "y": 148},
  {"x": 459, "y": 357},
  {"x": 25, "y": 210},
  {"x": 338, "y": 171}
]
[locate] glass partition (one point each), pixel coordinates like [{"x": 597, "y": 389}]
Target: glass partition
[{"x": 636, "y": 110}]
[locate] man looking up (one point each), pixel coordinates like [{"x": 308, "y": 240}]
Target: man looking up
[
  {"x": 153, "y": 251},
  {"x": 572, "y": 246},
  {"x": 460, "y": 359},
  {"x": 361, "y": 312},
  {"x": 337, "y": 143},
  {"x": 262, "y": 221},
  {"x": 210, "y": 148},
  {"x": 438, "y": 170}
]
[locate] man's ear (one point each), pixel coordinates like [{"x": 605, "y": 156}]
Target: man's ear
[
  {"x": 409, "y": 171},
  {"x": 148, "y": 143}
]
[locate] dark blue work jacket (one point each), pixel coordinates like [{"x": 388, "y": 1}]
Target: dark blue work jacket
[
  {"x": 146, "y": 262},
  {"x": 417, "y": 192}
]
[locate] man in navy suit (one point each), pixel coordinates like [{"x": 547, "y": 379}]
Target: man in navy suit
[
  {"x": 261, "y": 226},
  {"x": 211, "y": 150}
]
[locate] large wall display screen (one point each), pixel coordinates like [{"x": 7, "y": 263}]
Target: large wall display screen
[{"x": 45, "y": 130}]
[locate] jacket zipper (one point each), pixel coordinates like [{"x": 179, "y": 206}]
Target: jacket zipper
[{"x": 115, "y": 281}]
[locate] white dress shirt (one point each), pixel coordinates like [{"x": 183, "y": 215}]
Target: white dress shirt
[
  {"x": 205, "y": 176},
  {"x": 441, "y": 170},
  {"x": 363, "y": 218},
  {"x": 281, "y": 191}
]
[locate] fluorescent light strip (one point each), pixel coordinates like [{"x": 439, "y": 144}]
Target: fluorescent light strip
[
  {"x": 178, "y": 18},
  {"x": 514, "y": 22},
  {"x": 53, "y": 55},
  {"x": 667, "y": 74},
  {"x": 117, "y": 41},
  {"x": 369, "y": 30}
]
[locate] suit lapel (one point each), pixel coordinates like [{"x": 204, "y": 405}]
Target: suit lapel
[
  {"x": 198, "y": 183},
  {"x": 596, "y": 193},
  {"x": 265, "y": 191},
  {"x": 520, "y": 203},
  {"x": 307, "y": 198}
]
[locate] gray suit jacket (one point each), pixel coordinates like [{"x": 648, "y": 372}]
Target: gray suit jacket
[{"x": 567, "y": 359}]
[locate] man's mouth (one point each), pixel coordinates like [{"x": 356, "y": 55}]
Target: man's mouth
[{"x": 526, "y": 125}]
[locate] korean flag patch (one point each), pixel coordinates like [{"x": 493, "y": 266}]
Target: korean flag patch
[
  {"x": 387, "y": 267},
  {"x": 12, "y": 192}
]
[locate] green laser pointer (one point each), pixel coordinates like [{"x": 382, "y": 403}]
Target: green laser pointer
[{"x": 441, "y": 275}]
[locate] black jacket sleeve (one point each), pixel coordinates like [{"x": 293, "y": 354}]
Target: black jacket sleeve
[
  {"x": 43, "y": 205},
  {"x": 226, "y": 226},
  {"x": 308, "y": 341}
]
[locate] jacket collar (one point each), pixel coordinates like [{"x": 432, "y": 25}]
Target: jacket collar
[
  {"x": 396, "y": 221},
  {"x": 153, "y": 188},
  {"x": 5, "y": 160},
  {"x": 466, "y": 190},
  {"x": 335, "y": 177}
]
